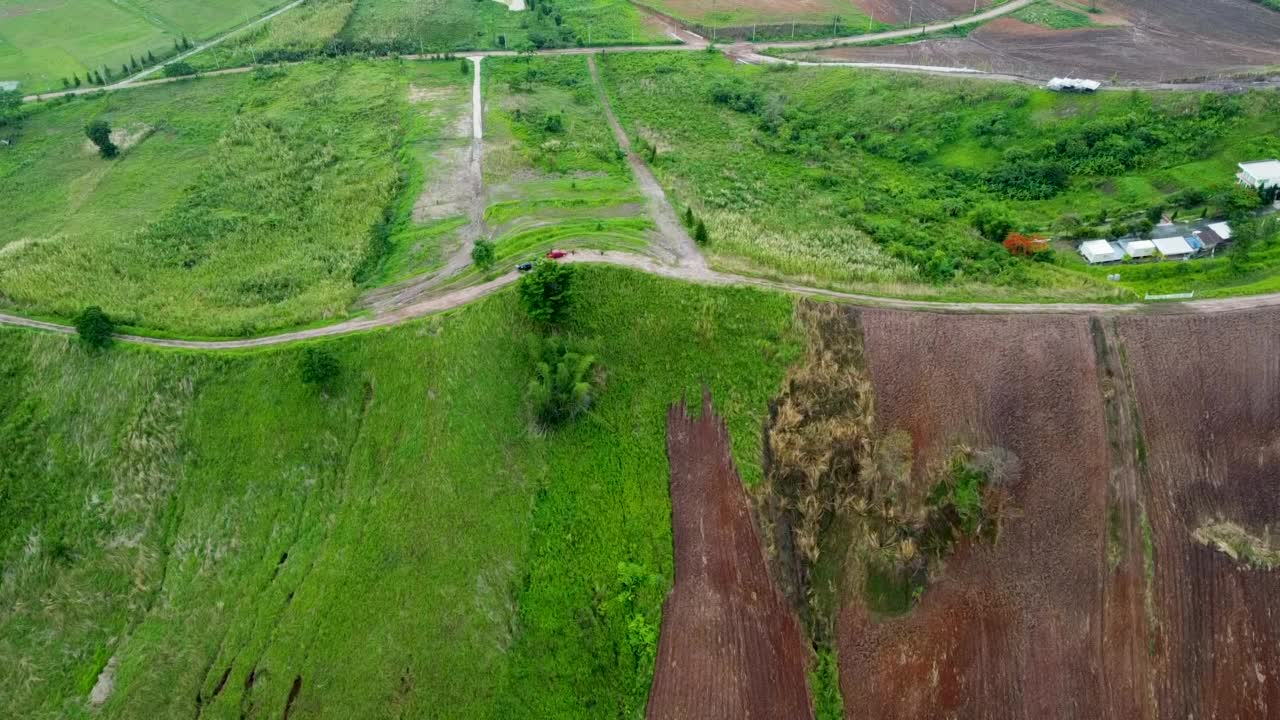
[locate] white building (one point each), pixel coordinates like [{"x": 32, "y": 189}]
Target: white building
[
  {"x": 1140, "y": 248},
  {"x": 1100, "y": 251},
  {"x": 1174, "y": 247},
  {"x": 1223, "y": 230},
  {"x": 1259, "y": 174},
  {"x": 1067, "y": 84}
]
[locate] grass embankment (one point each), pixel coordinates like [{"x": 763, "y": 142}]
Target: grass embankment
[
  {"x": 871, "y": 180},
  {"x": 553, "y": 171},
  {"x": 402, "y": 543},
  {"x": 47, "y": 42},
  {"x": 239, "y": 203}
]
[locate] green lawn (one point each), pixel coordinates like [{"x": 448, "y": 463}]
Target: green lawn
[
  {"x": 869, "y": 180},
  {"x": 403, "y": 543},
  {"x": 247, "y": 202},
  {"x": 42, "y": 41}
]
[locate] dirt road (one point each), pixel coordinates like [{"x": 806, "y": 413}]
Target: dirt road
[{"x": 673, "y": 236}]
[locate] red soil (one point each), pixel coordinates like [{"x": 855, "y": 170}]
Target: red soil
[
  {"x": 1011, "y": 629},
  {"x": 1147, "y": 40},
  {"x": 1171, "y": 420},
  {"x": 1208, "y": 392},
  {"x": 730, "y": 647}
]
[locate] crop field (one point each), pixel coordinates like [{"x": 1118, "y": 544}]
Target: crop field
[
  {"x": 42, "y": 42},
  {"x": 731, "y": 646},
  {"x": 1152, "y": 40},
  {"x": 226, "y": 540},
  {"x": 877, "y": 181},
  {"x": 238, "y": 204},
  {"x": 305, "y": 31}
]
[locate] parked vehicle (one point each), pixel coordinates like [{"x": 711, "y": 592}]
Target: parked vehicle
[
  {"x": 556, "y": 254},
  {"x": 524, "y": 267}
]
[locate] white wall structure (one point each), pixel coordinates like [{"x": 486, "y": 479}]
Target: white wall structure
[
  {"x": 1259, "y": 174},
  {"x": 1100, "y": 251}
]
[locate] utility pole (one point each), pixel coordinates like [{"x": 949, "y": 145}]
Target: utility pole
[
  {"x": 975, "y": 6},
  {"x": 911, "y": 13}
]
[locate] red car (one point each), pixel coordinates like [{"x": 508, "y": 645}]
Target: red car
[{"x": 556, "y": 254}]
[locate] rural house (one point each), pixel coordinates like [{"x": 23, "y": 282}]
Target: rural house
[
  {"x": 1100, "y": 251},
  {"x": 1261, "y": 174},
  {"x": 1140, "y": 248},
  {"x": 1176, "y": 247}
]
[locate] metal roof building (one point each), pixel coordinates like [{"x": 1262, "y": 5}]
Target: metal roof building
[
  {"x": 1174, "y": 247},
  {"x": 1259, "y": 174},
  {"x": 1100, "y": 251}
]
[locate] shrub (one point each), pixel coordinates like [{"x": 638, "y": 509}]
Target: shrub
[
  {"x": 483, "y": 254},
  {"x": 99, "y": 132},
  {"x": 546, "y": 292},
  {"x": 95, "y": 327},
  {"x": 181, "y": 68},
  {"x": 700, "y": 235},
  {"x": 318, "y": 367},
  {"x": 992, "y": 222},
  {"x": 563, "y": 385}
]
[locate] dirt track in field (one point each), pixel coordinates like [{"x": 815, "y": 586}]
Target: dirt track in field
[
  {"x": 730, "y": 647},
  {"x": 1142, "y": 40},
  {"x": 1118, "y": 425}
]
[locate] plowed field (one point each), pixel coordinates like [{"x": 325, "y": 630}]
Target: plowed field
[
  {"x": 730, "y": 647},
  {"x": 1095, "y": 601},
  {"x": 1148, "y": 40}
]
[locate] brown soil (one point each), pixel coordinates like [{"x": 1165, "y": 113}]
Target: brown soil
[
  {"x": 730, "y": 647},
  {"x": 900, "y": 12},
  {"x": 1096, "y": 600},
  {"x": 1208, "y": 393},
  {"x": 1144, "y": 40},
  {"x": 1009, "y": 629}
]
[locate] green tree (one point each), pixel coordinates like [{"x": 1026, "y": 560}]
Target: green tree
[
  {"x": 75, "y": 79},
  {"x": 100, "y": 133},
  {"x": 318, "y": 367},
  {"x": 546, "y": 292},
  {"x": 182, "y": 68},
  {"x": 700, "y": 233},
  {"x": 992, "y": 222},
  {"x": 689, "y": 220},
  {"x": 95, "y": 327},
  {"x": 10, "y": 106},
  {"x": 483, "y": 254},
  {"x": 464, "y": 67},
  {"x": 563, "y": 384}
]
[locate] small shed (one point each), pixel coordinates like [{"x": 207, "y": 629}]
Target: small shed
[
  {"x": 1221, "y": 229},
  {"x": 1259, "y": 174},
  {"x": 1066, "y": 84},
  {"x": 1174, "y": 247},
  {"x": 1100, "y": 251},
  {"x": 1140, "y": 248}
]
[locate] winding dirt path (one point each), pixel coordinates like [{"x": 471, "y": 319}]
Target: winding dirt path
[{"x": 673, "y": 237}]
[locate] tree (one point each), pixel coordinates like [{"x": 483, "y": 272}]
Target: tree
[
  {"x": 464, "y": 67},
  {"x": 66, "y": 83},
  {"x": 318, "y": 367},
  {"x": 563, "y": 384},
  {"x": 688, "y": 217},
  {"x": 100, "y": 133},
  {"x": 10, "y": 106},
  {"x": 546, "y": 292},
  {"x": 1246, "y": 235},
  {"x": 75, "y": 79},
  {"x": 700, "y": 233},
  {"x": 133, "y": 63},
  {"x": 483, "y": 254},
  {"x": 181, "y": 68},
  {"x": 151, "y": 58},
  {"x": 95, "y": 327},
  {"x": 1024, "y": 245},
  {"x": 1155, "y": 213},
  {"x": 992, "y": 222}
]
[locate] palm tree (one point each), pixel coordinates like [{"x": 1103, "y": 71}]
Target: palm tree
[{"x": 562, "y": 385}]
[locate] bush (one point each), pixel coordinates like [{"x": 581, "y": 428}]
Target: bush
[
  {"x": 992, "y": 222},
  {"x": 95, "y": 327},
  {"x": 99, "y": 132},
  {"x": 319, "y": 367},
  {"x": 483, "y": 254},
  {"x": 563, "y": 385},
  {"x": 181, "y": 68},
  {"x": 546, "y": 292}
]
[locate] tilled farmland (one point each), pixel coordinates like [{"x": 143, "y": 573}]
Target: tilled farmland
[
  {"x": 1140, "y": 40},
  {"x": 729, "y": 647}
]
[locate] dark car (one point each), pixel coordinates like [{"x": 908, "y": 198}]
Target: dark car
[{"x": 525, "y": 267}]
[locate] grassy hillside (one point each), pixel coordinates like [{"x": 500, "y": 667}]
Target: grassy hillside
[
  {"x": 401, "y": 545},
  {"x": 43, "y": 42},
  {"x": 240, "y": 203},
  {"x": 873, "y": 179}
]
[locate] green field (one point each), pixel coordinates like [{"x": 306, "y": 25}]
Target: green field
[
  {"x": 403, "y": 542},
  {"x": 871, "y": 180},
  {"x": 764, "y": 20},
  {"x": 42, "y": 42},
  {"x": 244, "y": 203},
  {"x": 1053, "y": 16}
]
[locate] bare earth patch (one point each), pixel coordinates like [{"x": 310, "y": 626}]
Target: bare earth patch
[{"x": 124, "y": 138}]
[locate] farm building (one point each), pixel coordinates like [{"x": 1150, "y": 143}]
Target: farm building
[
  {"x": 1214, "y": 234},
  {"x": 1176, "y": 247},
  {"x": 1100, "y": 251},
  {"x": 1073, "y": 85},
  {"x": 1140, "y": 248},
  {"x": 1263, "y": 173}
]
